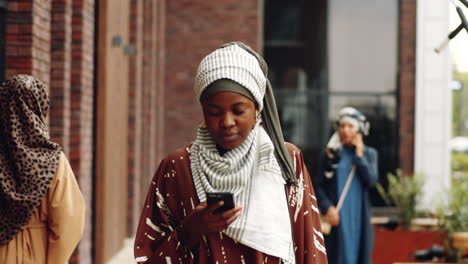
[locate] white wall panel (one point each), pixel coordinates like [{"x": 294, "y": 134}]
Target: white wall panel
[
  {"x": 433, "y": 95},
  {"x": 433, "y": 98}
]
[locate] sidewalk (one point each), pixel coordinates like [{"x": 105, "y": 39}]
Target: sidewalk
[{"x": 125, "y": 255}]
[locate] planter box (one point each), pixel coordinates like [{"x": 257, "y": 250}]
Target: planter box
[
  {"x": 392, "y": 246},
  {"x": 460, "y": 240}
]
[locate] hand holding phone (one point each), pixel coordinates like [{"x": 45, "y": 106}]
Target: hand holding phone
[
  {"x": 226, "y": 197},
  {"x": 209, "y": 216},
  {"x": 359, "y": 144}
]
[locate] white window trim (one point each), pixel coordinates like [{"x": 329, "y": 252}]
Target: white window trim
[{"x": 433, "y": 101}]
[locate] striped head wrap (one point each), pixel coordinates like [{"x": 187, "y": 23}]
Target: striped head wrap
[
  {"x": 233, "y": 63},
  {"x": 238, "y": 62}
]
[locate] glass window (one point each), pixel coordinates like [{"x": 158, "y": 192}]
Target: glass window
[{"x": 324, "y": 55}]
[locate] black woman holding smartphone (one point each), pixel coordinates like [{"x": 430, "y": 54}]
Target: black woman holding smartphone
[{"x": 239, "y": 149}]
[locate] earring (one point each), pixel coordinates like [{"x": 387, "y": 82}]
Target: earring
[{"x": 257, "y": 115}]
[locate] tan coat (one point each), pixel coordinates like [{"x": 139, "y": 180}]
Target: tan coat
[{"x": 55, "y": 227}]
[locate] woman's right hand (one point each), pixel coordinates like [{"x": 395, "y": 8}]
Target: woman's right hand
[
  {"x": 333, "y": 216},
  {"x": 202, "y": 220}
]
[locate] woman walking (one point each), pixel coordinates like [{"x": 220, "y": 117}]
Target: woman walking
[
  {"x": 239, "y": 149},
  {"x": 41, "y": 206}
]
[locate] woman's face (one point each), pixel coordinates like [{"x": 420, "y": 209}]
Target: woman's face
[
  {"x": 229, "y": 117},
  {"x": 347, "y": 133}
]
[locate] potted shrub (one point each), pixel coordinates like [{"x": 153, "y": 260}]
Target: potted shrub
[
  {"x": 403, "y": 192},
  {"x": 453, "y": 218},
  {"x": 399, "y": 245}
]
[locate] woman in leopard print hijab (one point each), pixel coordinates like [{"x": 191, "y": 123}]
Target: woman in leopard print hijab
[{"x": 28, "y": 159}]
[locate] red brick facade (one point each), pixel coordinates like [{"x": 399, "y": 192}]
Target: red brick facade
[
  {"x": 160, "y": 79},
  {"x": 60, "y": 73},
  {"x": 407, "y": 85},
  {"x": 39, "y": 42},
  {"x": 146, "y": 101},
  {"x": 195, "y": 28},
  {"x": 135, "y": 116},
  {"x": 148, "y": 72},
  {"x": 28, "y": 38},
  {"x": 82, "y": 113}
]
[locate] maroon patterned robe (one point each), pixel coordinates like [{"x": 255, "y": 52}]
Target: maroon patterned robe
[{"x": 172, "y": 196}]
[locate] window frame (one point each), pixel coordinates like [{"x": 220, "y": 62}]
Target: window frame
[{"x": 317, "y": 90}]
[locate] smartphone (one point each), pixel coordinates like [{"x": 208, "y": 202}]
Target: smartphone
[{"x": 227, "y": 197}]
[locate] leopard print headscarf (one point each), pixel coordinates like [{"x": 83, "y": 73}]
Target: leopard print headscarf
[{"x": 28, "y": 159}]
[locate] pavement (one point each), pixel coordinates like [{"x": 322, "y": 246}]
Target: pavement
[{"x": 125, "y": 255}]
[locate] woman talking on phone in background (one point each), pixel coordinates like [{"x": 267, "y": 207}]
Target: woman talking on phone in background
[
  {"x": 350, "y": 167},
  {"x": 239, "y": 148}
]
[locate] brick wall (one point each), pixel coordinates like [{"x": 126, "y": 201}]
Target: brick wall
[
  {"x": 3, "y": 19},
  {"x": 160, "y": 82},
  {"x": 194, "y": 29},
  {"x": 60, "y": 72},
  {"x": 407, "y": 69},
  {"x": 28, "y": 38},
  {"x": 39, "y": 42},
  {"x": 146, "y": 71},
  {"x": 82, "y": 101},
  {"x": 153, "y": 88},
  {"x": 146, "y": 102},
  {"x": 161, "y": 91},
  {"x": 135, "y": 154},
  {"x": 54, "y": 40}
]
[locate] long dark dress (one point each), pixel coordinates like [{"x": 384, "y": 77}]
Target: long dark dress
[
  {"x": 172, "y": 196},
  {"x": 351, "y": 242}
]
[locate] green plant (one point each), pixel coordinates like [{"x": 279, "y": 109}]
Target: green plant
[
  {"x": 459, "y": 162},
  {"x": 403, "y": 192},
  {"x": 459, "y": 106},
  {"x": 454, "y": 216}
]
